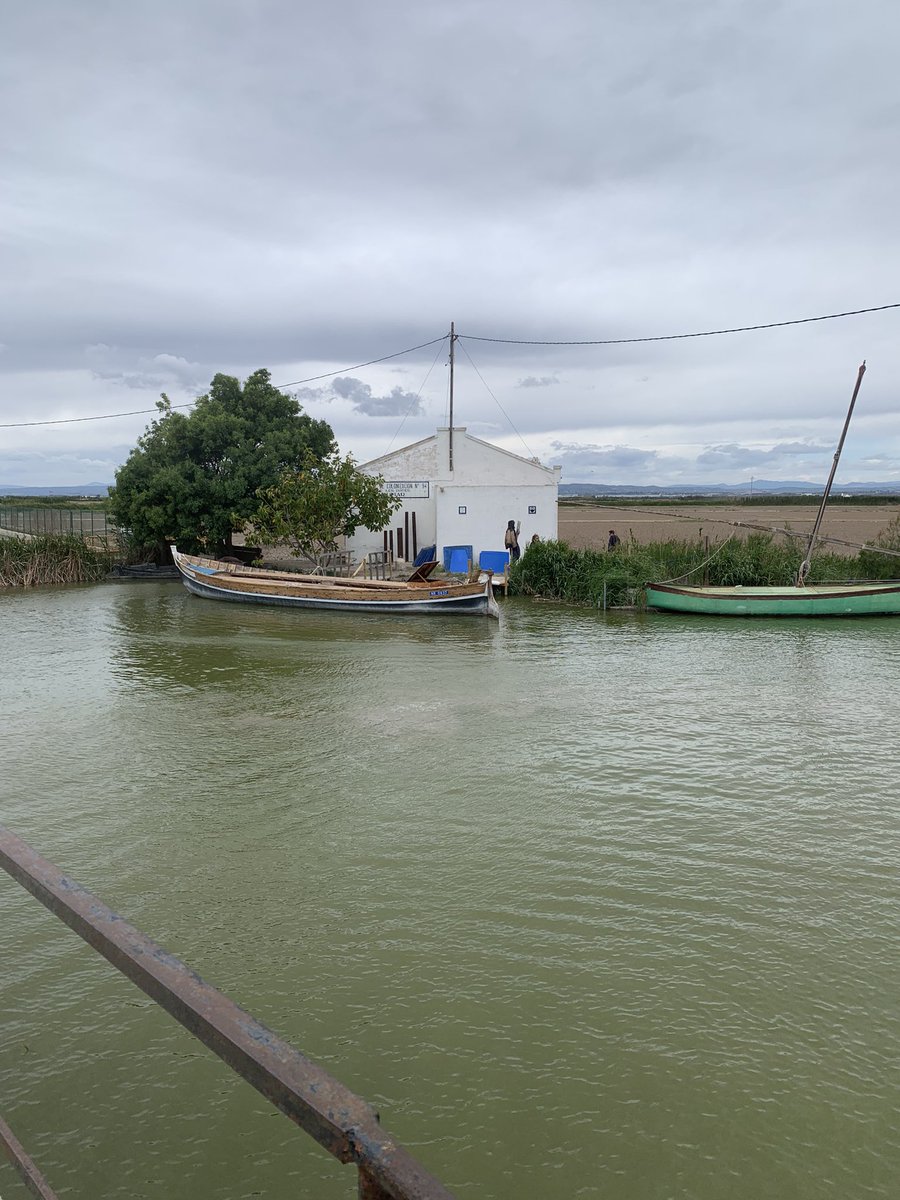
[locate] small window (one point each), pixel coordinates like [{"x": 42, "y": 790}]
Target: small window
[{"x": 462, "y": 510}]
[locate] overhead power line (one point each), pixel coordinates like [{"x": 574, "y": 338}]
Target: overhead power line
[
  {"x": 141, "y": 412},
  {"x": 676, "y": 337},
  {"x": 370, "y": 363},
  {"x": 667, "y": 337}
]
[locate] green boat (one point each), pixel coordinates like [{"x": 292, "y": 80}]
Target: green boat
[
  {"x": 813, "y": 600},
  {"x": 796, "y": 600}
]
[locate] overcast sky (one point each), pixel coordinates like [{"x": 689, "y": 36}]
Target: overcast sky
[{"x": 219, "y": 185}]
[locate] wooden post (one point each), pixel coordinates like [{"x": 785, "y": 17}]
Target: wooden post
[
  {"x": 406, "y": 541},
  {"x": 415, "y": 538},
  {"x": 399, "y": 542}
]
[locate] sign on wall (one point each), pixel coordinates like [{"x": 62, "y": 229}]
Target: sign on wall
[{"x": 408, "y": 489}]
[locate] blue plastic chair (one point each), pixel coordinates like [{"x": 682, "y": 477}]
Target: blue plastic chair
[
  {"x": 459, "y": 561},
  {"x": 493, "y": 560},
  {"x": 449, "y": 551}
]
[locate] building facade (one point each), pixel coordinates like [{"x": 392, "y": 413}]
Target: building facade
[{"x": 460, "y": 491}]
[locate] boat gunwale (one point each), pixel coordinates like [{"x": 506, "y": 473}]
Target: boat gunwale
[
  {"x": 788, "y": 592},
  {"x": 428, "y": 596},
  {"x": 242, "y": 571}
]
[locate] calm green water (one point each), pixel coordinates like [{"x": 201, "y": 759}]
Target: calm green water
[{"x": 586, "y": 905}]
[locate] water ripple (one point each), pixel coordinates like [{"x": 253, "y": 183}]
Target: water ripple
[{"x": 586, "y": 904}]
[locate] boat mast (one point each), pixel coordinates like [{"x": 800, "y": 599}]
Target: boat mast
[
  {"x": 804, "y": 566},
  {"x": 452, "y": 345}
]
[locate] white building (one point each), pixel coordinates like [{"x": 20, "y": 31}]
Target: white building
[{"x": 460, "y": 491}]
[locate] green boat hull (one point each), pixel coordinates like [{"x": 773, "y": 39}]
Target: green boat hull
[{"x": 838, "y": 600}]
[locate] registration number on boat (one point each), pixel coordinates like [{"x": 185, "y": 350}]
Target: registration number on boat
[{"x": 445, "y": 592}]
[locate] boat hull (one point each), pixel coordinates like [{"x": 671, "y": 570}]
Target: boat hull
[
  {"x": 848, "y": 600},
  {"x": 214, "y": 580}
]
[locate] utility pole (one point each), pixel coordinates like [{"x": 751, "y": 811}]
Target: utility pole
[{"x": 452, "y": 349}]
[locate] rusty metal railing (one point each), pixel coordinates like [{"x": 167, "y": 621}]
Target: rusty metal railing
[{"x": 340, "y": 1121}]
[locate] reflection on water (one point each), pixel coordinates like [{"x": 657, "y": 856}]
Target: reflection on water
[{"x": 586, "y": 904}]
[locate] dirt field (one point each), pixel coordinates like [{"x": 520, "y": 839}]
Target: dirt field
[{"x": 587, "y": 526}]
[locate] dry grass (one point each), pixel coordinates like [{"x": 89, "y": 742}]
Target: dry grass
[{"x": 54, "y": 559}]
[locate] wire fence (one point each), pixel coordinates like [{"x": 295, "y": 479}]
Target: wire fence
[{"x": 40, "y": 520}]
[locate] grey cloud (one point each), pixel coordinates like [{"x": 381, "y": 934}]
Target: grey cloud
[
  {"x": 881, "y": 462},
  {"x": 733, "y": 456},
  {"x": 394, "y": 404},
  {"x": 598, "y": 459},
  {"x": 159, "y": 371},
  {"x": 308, "y": 395},
  {"x": 537, "y": 381},
  {"x": 58, "y": 469},
  {"x": 184, "y": 180}
]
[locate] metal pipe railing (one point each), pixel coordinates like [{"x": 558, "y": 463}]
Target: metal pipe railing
[
  {"x": 28, "y": 1172},
  {"x": 338, "y": 1119}
]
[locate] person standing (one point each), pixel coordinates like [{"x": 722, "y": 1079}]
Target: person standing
[
  {"x": 511, "y": 540},
  {"x": 614, "y": 540}
]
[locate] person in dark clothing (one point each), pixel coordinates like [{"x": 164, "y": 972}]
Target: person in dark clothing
[
  {"x": 614, "y": 540},
  {"x": 511, "y": 540}
]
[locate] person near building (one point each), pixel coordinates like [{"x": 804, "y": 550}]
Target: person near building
[
  {"x": 614, "y": 540},
  {"x": 535, "y": 540},
  {"x": 511, "y": 540}
]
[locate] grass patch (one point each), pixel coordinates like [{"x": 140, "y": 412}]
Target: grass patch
[{"x": 56, "y": 558}]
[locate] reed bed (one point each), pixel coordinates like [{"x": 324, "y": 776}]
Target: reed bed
[
  {"x": 52, "y": 559},
  {"x": 555, "y": 571}
]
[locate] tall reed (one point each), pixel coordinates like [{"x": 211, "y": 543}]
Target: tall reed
[
  {"x": 555, "y": 571},
  {"x": 55, "y": 558}
]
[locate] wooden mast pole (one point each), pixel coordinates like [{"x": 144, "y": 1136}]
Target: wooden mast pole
[{"x": 804, "y": 566}]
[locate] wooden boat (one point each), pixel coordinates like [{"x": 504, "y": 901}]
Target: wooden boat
[
  {"x": 218, "y": 580},
  {"x": 797, "y": 600},
  {"x": 812, "y": 600}
]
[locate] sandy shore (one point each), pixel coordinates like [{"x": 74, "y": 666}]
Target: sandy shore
[{"x": 587, "y": 526}]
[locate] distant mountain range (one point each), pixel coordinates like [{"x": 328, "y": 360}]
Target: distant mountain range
[
  {"x": 78, "y": 489},
  {"x": 761, "y": 487}
]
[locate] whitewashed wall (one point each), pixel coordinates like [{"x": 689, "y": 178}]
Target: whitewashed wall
[
  {"x": 488, "y": 509},
  {"x": 492, "y": 485}
]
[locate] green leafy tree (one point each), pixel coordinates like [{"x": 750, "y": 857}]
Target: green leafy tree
[
  {"x": 310, "y": 508},
  {"x": 193, "y": 478}
]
